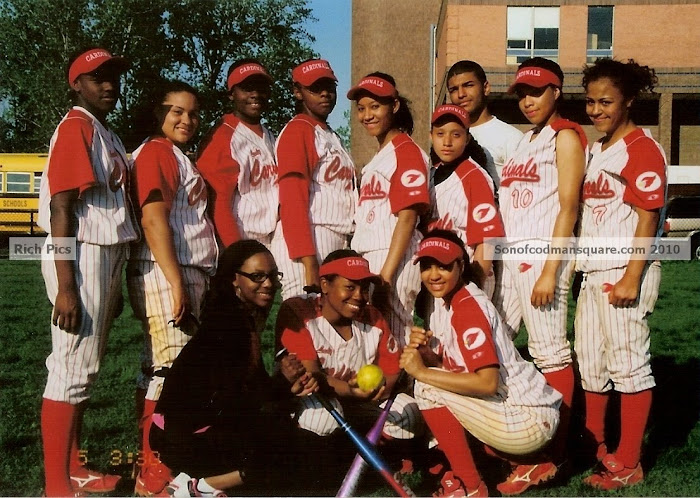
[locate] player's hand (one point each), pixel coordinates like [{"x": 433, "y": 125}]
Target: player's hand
[
  {"x": 67, "y": 313},
  {"x": 625, "y": 292},
  {"x": 412, "y": 361},
  {"x": 543, "y": 291},
  {"x": 305, "y": 385},
  {"x": 291, "y": 368},
  {"x": 311, "y": 270},
  {"x": 419, "y": 337},
  {"x": 181, "y": 305},
  {"x": 358, "y": 393}
]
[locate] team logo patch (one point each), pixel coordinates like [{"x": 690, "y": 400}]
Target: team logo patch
[
  {"x": 412, "y": 178},
  {"x": 648, "y": 181},
  {"x": 473, "y": 338},
  {"x": 484, "y": 212}
]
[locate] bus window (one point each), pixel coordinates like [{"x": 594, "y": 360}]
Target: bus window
[
  {"x": 2, "y": 182},
  {"x": 19, "y": 183},
  {"x": 37, "y": 181}
]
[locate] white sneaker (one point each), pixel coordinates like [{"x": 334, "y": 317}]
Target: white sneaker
[{"x": 184, "y": 486}]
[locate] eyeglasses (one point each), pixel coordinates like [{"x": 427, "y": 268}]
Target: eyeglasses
[{"x": 260, "y": 277}]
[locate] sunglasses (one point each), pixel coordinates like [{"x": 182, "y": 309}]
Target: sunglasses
[
  {"x": 260, "y": 277},
  {"x": 323, "y": 84}
]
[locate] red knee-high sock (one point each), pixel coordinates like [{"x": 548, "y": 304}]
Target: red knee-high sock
[
  {"x": 74, "y": 461},
  {"x": 57, "y": 421},
  {"x": 452, "y": 440},
  {"x": 563, "y": 381},
  {"x": 149, "y": 407},
  {"x": 634, "y": 412},
  {"x": 596, "y": 407}
]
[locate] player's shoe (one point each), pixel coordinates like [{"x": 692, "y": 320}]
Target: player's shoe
[
  {"x": 84, "y": 480},
  {"x": 186, "y": 486},
  {"x": 152, "y": 480},
  {"x": 612, "y": 474},
  {"x": 524, "y": 476},
  {"x": 451, "y": 486}
]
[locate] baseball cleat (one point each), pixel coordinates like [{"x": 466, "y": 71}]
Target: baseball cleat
[
  {"x": 451, "y": 486},
  {"x": 612, "y": 474},
  {"x": 90, "y": 481},
  {"x": 152, "y": 480},
  {"x": 185, "y": 486},
  {"x": 524, "y": 476}
]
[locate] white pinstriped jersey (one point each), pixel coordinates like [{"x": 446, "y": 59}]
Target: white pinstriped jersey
[
  {"x": 528, "y": 195},
  {"x": 239, "y": 165},
  {"x": 306, "y": 333},
  {"x": 99, "y": 170},
  {"x": 312, "y": 149},
  {"x": 395, "y": 179},
  {"x": 470, "y": 334},
  {"x": 630, "y": 173},
  {"x": 160, "y": 165},
  {"x": 464, "y": 203}
]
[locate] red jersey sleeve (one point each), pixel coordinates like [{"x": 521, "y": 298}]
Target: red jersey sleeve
[
  {"x": 645, "y": 175},
  {"x": 565, "y": 124},
  {"x": 296, "y": 160},
  {"x": 70, "y": 164},
  {"x": 388, "y": 351},
  {"x": 155, "y": 168},
  {"x": 474, "y": 334},
  {"x": 409, "y": 183},
  {"x": 292, "y": 332},
  {"x": 220, "y": 170},
  {"x": 483, "y": 217}
]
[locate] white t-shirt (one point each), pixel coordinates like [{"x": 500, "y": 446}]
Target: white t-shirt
[{"x": 499, "y": 140}]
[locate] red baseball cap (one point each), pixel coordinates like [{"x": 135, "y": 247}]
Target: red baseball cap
[
  {"x": 443, "y": 250},
  {"x": 536, "y": 77},
  {"x": 374, "y": 85},
  {"x": 245, "y": 71},
  {"x": 352, "y": 268},
  {"x": 307, "y": 73},
  {"x": 451, "y": 110},
  {"x": 89, "y": 61}
]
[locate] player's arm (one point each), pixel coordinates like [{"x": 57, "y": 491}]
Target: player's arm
[
  {"x": 159, "y": 237},
  {"x": 400, "y": 240},
  {"x": 571, "y": 163},
  {"x": 342, "y": 389},
  {"x": 67, "y": 308},
  {"x": 626, "y": 290}
]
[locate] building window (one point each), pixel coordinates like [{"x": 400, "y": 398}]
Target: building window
[
  {"x": 600, "y": 29},
  {"x": 532, "y": 31}
]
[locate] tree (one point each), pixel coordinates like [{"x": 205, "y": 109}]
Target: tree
[{"x": 193, "y": 40}]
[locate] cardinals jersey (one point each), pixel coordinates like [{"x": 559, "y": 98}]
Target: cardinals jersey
[
  {"x": 239, "y": 166},
  {"x": 160, "y": 165},
  {"x": 528, "y": 195},
  {"x": 470, "y": 335},
  {"x": 395, "y": 179},
  {"x": 305, "y": 332},
  {"x": 464, "y": 203},
  {"x": 317, "y": 183},
  {"x": 630, "y": 173},
  {"x": 85, "y": 155}
]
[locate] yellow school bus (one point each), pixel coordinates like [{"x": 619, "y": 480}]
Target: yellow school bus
[{"x": 20, "y": 178}]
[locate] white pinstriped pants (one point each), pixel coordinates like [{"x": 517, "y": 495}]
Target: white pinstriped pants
[
  {"x": 515, "y": 430},
  {"x": 151, "y": 299},
  {"x": 546, "y": 325},
  {"x": 75, "y": 358},
  {"x": 404, "y": 420},
  {"x": 612, "y": 343}
]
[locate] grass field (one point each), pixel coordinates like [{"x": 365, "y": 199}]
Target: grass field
[{"x": 671, "y": 456}]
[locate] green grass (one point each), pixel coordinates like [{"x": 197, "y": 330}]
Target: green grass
[{"x": 671, "y": 454}]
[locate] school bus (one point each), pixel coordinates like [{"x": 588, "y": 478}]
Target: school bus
[{"x": 20, "y": 178}]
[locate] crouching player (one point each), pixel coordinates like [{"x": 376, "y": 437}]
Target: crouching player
[
  {"x": 333, "y": 335},
  {"x": 469, "y": 374}
]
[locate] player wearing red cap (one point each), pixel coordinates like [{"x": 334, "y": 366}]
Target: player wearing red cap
[
  {"x": 539, "y": 201},
  {"x": 84, "y": 196},
  {"x": 393, "y": 193},
  {"x": 316, "y": 182},
  {"x": 169, "y": 269},
  {"x": 237, "y": 160},
  {"x": 336, "y": 333},
  {"x": 462, "y": 193},
  {"x": 468, "y": 373},
  {"x": 624, "y": 194}
]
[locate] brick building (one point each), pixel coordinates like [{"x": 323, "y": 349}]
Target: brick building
[{"x": 416, "y": 41}]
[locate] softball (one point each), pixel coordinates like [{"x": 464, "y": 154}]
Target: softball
[{"x": 370, "y": 377}]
